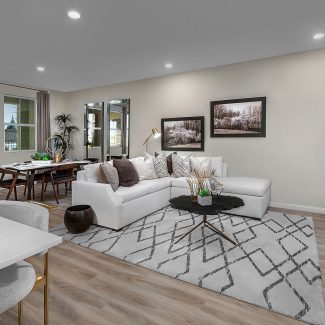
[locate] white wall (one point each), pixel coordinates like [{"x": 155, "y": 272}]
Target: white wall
[{"x": 292, "y": 155}]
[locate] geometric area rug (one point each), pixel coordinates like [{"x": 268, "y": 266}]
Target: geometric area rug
[{"x": 275, "y": 264}]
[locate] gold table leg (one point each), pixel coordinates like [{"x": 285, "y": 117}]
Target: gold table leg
[{"x": 20, "y": 313}]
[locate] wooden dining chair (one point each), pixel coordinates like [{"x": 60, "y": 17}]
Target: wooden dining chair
[
  {"x": 62, "y": 174},
  {"x": 10, "y": 179}
]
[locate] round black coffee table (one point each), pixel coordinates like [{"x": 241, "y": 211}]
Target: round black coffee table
[{"x": 219, "y": 203}]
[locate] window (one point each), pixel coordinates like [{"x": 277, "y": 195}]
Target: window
[
  {"x": 19, "y": 124},
  {"x": 115, "y": 129}
]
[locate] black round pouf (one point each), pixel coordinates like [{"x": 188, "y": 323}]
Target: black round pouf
[{"x": 78, "y": 218}]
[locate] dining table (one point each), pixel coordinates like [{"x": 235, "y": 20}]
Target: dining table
[
  {"x": 19, "y": 241},
  {"x": 33, "y": 167}
]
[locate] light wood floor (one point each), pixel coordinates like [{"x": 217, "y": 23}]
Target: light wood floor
[{"x": 88, "y": 288}]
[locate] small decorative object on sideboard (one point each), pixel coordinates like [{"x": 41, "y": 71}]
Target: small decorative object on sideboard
[
  {"x": 58, "y": 157},
  {"x": 204, "y": 198}
]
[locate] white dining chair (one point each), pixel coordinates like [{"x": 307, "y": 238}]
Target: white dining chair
[{"x": 17, "y": 280}]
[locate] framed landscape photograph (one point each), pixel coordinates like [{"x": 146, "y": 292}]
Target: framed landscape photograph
[
  {"x": 183, "y": 134},
  {"x": 238, "y": 117}
]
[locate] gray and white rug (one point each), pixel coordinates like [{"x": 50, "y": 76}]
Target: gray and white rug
[{"x": 275, "y": 264}]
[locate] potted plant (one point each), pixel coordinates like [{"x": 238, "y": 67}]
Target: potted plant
[
  {"x": 41, "y": 158},
  {"x": 204, "y": 197},
  {"x": 62, "y": 140}
]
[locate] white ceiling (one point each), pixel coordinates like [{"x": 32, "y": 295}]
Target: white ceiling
[{"x": 124, "y": 40}]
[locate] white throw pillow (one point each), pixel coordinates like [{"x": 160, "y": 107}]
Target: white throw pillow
[
  {"x": 201, "y": 164},
  {"x": 137, "y": 159},
  {"x": 217, "y": 165},
  {"x": 91, "y": 172},
  {"x": 145, "y": 169}
]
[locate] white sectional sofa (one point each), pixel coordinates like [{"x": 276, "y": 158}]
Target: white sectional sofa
[{"x": 128, "y": 204}]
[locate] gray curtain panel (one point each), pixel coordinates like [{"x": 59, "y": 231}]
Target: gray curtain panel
[{"x": 43, "y": 120}]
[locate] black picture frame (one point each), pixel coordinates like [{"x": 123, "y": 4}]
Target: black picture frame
[
  {"x": 167, "y": 123},
  {"x": 240, "y": 125}
]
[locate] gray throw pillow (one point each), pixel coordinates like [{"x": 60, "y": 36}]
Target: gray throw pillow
[
  {"x": 181, "y": 166},
  {"x": 160, "y": 164},
  {"x": 111, "y": 175}
]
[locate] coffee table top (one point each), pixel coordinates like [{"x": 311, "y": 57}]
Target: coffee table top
[{"x": 219, "y": 203}]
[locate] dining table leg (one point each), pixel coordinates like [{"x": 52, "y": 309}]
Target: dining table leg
[{"x": 30, "y": 184}]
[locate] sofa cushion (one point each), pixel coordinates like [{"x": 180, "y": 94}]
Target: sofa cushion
[
  {"x": 130, "y": 193},
  {"x": 145, "y": 169},
  {"x": 245, "y": 185},
  {"x": 91, "y": 172},
  {"x": 160, "y": 164},
  {"x": 127, "y": 173},
  {"x": 181, "y": 166},
  {"x": 159, "y": 184},
  {"x": 180, "y": 182},
  {"x": 169, "y": 161},
  {"x": 111, "y": 175},
  {"x": 236, "y": 185},
  {"x": 216, "y": 163},
  {"x": 201, "y": 166}
]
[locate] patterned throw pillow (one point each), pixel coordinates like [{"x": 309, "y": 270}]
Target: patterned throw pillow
[
  {"x": 111, "y": 175},
  {"x": 160, "y": 164},
  {"x": 169, "y": 161},
  {"x": 181, "y": 166}
]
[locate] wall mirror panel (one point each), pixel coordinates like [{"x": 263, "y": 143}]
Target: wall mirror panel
[
  {"x": 94, "y": 131},
  {"x": 118, "y": 128}
]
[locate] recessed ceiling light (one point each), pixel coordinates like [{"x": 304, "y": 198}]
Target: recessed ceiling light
[
  {"x": 40, "y": 69},
  {"x": 319, "y": 36},
  {"x": 74, "y": 14},
  {"x": 168, "y": 65}
]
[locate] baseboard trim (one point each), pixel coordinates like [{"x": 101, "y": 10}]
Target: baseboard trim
[{"x": 297, "y": 207}]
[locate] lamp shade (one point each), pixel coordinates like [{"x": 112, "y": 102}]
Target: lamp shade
[{"x": 156, "y": 133}]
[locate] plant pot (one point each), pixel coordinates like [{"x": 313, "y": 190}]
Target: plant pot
[
  {"x": 41, "y": 162},
  {"x": 204, "y": 200}
]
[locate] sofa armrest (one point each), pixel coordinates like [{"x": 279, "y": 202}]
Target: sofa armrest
[
  {"x": 224, "y": 170},
  {"x": 101, "y": 197}
]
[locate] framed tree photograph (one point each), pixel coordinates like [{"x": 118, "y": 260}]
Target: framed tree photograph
[
  {"x": 244, "y": 117},
  {"x": 183, "y": 133}
]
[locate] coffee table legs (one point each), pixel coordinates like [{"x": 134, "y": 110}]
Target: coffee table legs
[{"x": 210, "y": 226}]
